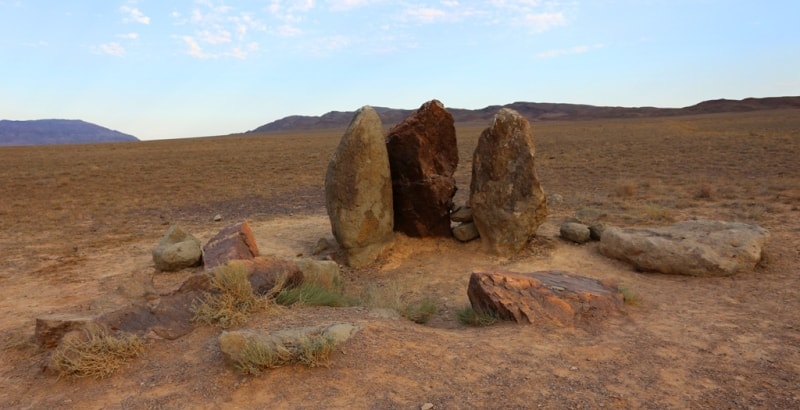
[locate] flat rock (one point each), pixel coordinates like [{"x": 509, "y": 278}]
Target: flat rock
[
  {"x": 508, "y": 204},
  {"x": 694, "y": 248},
  {"x": 358, "y": 191},
  {"x": 466, "y": 232},
  {"x": 177, "y": 250},
  {"x": 234, "y": 242},
  {"x": 552, "y": 297},
  {"x": 50, "y": 329},
  {"x": 423, "y": 156},
  {"x": 575, "y": 232}
]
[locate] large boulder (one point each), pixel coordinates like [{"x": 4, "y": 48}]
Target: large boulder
[
  {"x": 552, "y": 297},
  {"x": 231, "y": 243},
  {"x": 358, "y": 190},
  {"x": 177, "y": 250},
  {"x": 695, "y": 248},
  {"x": 508, "y": 204},
  {"x": 423, "y": 157}
]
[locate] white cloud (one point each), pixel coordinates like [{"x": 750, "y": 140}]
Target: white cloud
[
  {"x": 340, "y": 5},
  {"x": 218, "y": 30},
  {"x": 567, "y": 51},
  {"x": 427, "y": 14},
  {"x": 215, "y": 36},
  {"x": 129, "y": 36},
  {"x": 134, "y": 15},
  {"x": 113, "y": 49},
  {"x": 540, "y": 22},
  {"x": 194, "y": 48}
]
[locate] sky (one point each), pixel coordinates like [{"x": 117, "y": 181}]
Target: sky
[{"x": 187, "y": 68}]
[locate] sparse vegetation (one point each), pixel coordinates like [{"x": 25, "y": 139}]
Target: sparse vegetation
[
  {"x": 468, "y": 316},
  {"x": 95, "y": 353},
  {"x": 231, "y": 299},
  {"x": 628, "y": 295},
  {"x": 313, "y": 294},
  {"x": 419, "y": 312},
  {"x": 625, "y": 189},
  {"x": 313, "y": 351}
]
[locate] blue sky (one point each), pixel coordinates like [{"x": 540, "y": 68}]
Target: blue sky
[{"x": 186, "y": 68}]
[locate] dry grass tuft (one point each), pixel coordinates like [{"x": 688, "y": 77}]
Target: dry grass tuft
[
  {"x": 629, "y": 296},
  {"x": 313, "y": 294},
  {"x": 705, "y": 191},
  {"x": 420, "y": 312},
  {"x": 468, "y": 316},
  {"x": 626, "y": 189},
  {"x": 95, "y": 353},
  {"x": 231, "y": 299},
  {"x": 313, "y": 351}
]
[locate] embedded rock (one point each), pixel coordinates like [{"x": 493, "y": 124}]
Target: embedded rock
[
  {"x": 177, "y": 250},
  {"x": 358, "y": 191},
  {"x": 231, "y": 243},
  {"x": 508, "y": 204},
  {"x": 268, "y": 274},
  {"x": 423, "y": 157},
  {"x": 575, "y": 232},
  {"x": 466, "y": 232},
  {"x": 694, "y": 248},
  {"x": 462, "y": 214},
  {"x": 552, "y": 297},
  {"x": 50, "y": 329}
]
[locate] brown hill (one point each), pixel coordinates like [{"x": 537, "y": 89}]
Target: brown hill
[{"x": 536, "y": 112}]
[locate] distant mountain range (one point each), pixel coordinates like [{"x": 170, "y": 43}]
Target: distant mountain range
[
  {"x": 47, "y": 132},
  {"x": 535, "y": 112}
]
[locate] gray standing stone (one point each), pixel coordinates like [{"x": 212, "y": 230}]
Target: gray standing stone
[
  {"x": 177, "y": 250},
  {"x": 695, "y": 248},
  {"x": 508, "y": 204},
  {"x": 358, "y": 191}
]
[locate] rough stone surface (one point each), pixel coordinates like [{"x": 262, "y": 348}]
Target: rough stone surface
[
  {"x": 508, "y": 204},
  {"x": 358, "y": 191},
  {"x": 575, "y": 232},
  {"x": 552, "y": 297},
  {"x": 423, "y": 156},
  {"x": 232, "y": 242},
  {"x": 266, "y": 272},
  {"x": 322, "y": 273},
  {"x": 234, "y": 344},
  {"x": 596, "y": 230},
  {"x": 50, "y": 329},
  {"x": 466, "y": 232},
  {"x": 462, "y": 214},
  {"x": 695, "y": 248},
  {"x": 177, "y": 250}
]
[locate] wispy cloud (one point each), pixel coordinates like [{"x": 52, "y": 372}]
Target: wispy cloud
[
  {"x": 112, "y": 49},
  {"x": 539, "y": 22},
  {"x": 339, "y": 5},
  {"x": 133, "y": 14},
  {"x": 218, "y": 30},
  {"x": 567, "y": 51},
  {"x": 129, "y": 36}
]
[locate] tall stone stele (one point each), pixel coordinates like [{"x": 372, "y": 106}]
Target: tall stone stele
[
  {"x": 423, "y": 156},
  {"x": 358, "y": 191},
  {"x": 508, "y": 204}
]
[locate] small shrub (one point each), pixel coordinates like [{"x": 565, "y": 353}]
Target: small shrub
[
  {"x": 231, "y": 299},
  {"x": 657, "y": 213},
  {"x": 95, "y": 354},
  {"x": 629, "y": 296},
  {"x": 625, "y": 189},
  {"x": 420, "y": 312},
  {"x": 312, "y": 352},
  {"x": 468, "y": 316},
  {"x": 705, "y": 191},
  {"x": 312, "y": 294}
]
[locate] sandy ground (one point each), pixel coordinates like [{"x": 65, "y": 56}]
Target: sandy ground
[{"x": 731, "y": 342}]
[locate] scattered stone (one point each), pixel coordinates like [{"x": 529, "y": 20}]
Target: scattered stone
[
  {"x": 358, "y": 191},
  {"x": 321, "y": 246},
  {"x": 51, "y": 329},
  {"x": 551, "y": 297},
  {"x": 505, "y": 194},
  {"x": 554, "y": 200},
  {"x": 588, "y": 216},
  {"x": 695, "y": 248},
  {"x": 426, "y": 406},
  {"x": 235, "y": 345},
  {"x": 466, "y": 232},
  {"x": 462, "y": 214},
  {"x": 217, "y": 218},
  {"x": 231, "y": 243},
  {"x": 575, "y": 232},
  {"x": 177, "y": 250},
  {"x": 423, "y": 156},
  {"x": 596, "y": 230}
]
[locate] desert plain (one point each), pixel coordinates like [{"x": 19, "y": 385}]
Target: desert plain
[{"x": 79, "y": 222}]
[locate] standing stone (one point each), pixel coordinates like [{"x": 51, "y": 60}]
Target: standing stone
[
  {"x": 423, "y": 156},
  {"x": 508, "y": 203},
  {"x": 358, "y": 190}
]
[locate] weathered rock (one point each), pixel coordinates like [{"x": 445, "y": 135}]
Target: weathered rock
[
  {"x": 321, "y": 246},
  {"x": 596, "y": 230},
  {"x": 575, "y": 232},
  {"x": 231, "y": 243},
  {"x": 266, "y": 272},
  {"x": 423, "y": 157},
  {"x": 466, "y": 232},
  {"x": 322, "y": 273},
  {"x": 50, "y": 329},
  {"x": 554, "y": 200},
  {"x": 358, "y": 191},
  {"x": 588, "y": 216},
  {"x": 234, "y": 345},
  {"x": 552, "y": 297},
  {"x": 177, "y": 250},
  {"x": 462, "y": 214},
  {"x": 695, "y": 248},
  {"x": 508, "y": 204}
]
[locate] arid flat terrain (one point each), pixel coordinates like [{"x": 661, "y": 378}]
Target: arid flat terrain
[{"x": 78, "y": 224}]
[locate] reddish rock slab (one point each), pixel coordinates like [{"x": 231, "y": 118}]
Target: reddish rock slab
[
  {"x": 51, "y": 329},
  {"x": 423, "y": 156},
  {"x": 551, "y": 297},
  {"x": 232, "y": 242}
]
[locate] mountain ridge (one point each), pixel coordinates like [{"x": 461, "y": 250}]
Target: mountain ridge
[
  {"x": 534, "y": 112},
  {"x": 57, "y": 131}
]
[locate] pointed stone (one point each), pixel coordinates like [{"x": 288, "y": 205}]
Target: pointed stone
[
  {"x": 423, "y": 156},
  {"x": 231, "y": 243},
  {"x": 358, "y": 191},
  {"x": 508, "y": 204}
]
